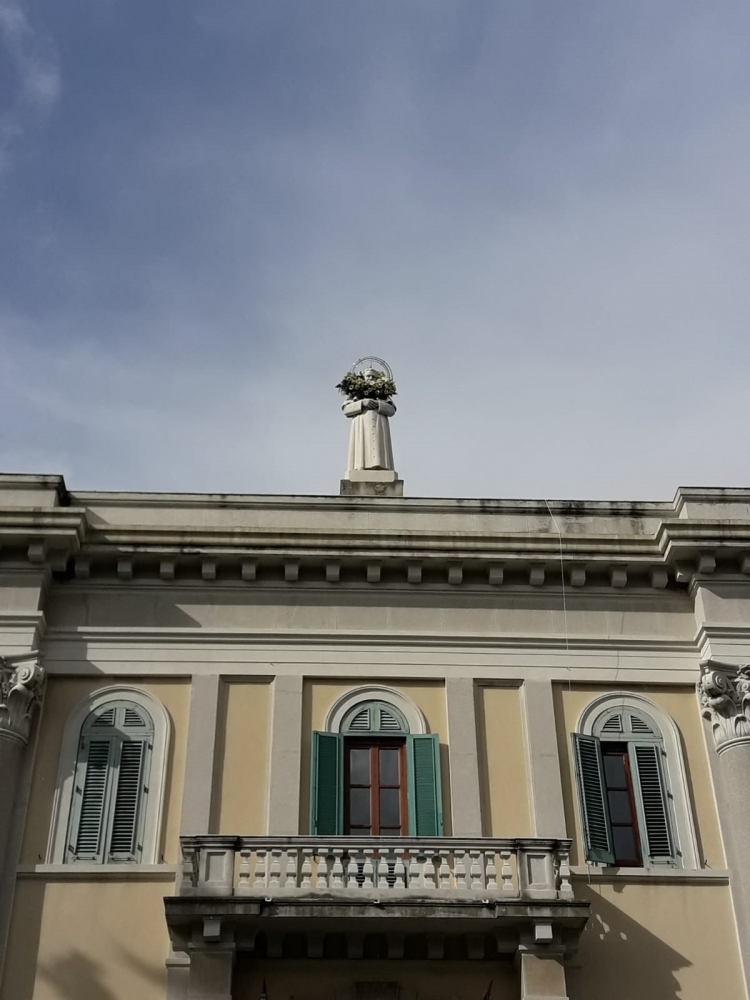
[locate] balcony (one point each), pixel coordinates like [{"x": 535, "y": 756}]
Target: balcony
[{"x": 381, "y": 897}]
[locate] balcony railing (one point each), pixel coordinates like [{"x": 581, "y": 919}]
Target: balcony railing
[{"x": 386, "y": 867}]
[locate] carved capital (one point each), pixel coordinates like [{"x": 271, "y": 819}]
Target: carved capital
[
  {"x": 21, "y": 689},
  {"x": 724, "y": 696}
]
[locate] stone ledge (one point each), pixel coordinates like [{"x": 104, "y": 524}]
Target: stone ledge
[
  {"x": 654, "y": 876},
  {"x": 98, "y": 873}
]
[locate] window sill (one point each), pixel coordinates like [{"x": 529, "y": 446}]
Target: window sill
[
  {"x": 613, "y": 873},
  {"x": 99, "y": 873}
]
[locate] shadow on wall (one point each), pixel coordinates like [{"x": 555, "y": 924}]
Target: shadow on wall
[
  {"x": 78, "y": 977},
  {"x": 620, "y": 959}
]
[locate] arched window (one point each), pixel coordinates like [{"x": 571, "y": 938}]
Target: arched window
[
  {"x": 631, "y": 785},
  {"x": 375, "y": 770},
  {"x": 112, "y": 769}
]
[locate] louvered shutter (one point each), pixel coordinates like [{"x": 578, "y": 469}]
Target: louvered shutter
[
  {"x": 653, "y": 804},
  {"x": 130, "y": 796},
  {"x": 327, "y": 785},
  {"x": 597, "y": 832},
  {"x": 90, "y": 795},
  {"x": 425, "y": 790}
]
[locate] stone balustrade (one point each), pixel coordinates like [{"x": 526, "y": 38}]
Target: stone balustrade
[{"x": 387, "y": 867}]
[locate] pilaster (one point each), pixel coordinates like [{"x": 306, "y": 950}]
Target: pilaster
[
  {"x": 285, "y": 755},
  {"x": 200, "y": 759},
  {"x": 543, "y": 758},
  {"x": 463, "y": 755}
]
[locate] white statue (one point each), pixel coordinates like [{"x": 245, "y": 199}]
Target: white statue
[{"x": 369, "y": 432}]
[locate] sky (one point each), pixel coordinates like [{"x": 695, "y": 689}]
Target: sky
[{"x": 538, "y": 213}]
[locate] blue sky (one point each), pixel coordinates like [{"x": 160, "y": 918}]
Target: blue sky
[{"x": 537, "y": 212}]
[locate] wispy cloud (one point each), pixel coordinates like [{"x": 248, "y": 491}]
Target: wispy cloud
[
  {"x": 537, "y": 213},
  {"x": 32, "y": 59}
]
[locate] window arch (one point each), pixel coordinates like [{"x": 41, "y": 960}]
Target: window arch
[
  {"x": 632, "y": 786},
  {"x": 110, "y": 787},
  {"x": 375, "y": 768}
]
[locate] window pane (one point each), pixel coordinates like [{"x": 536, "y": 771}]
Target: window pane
[
  {"x": 614, "y": 771},
  {"x": 390, "y": 812},
  {"x": 360, "y": 831},
  {"x": 389, "y": 770},
  {"x": 624, "y": 839},
  {"x": 619, "y": 807},
  {"x": 392, "y": 832},
  {"x": 359, "y": 806},
  {"x": 359, "y": 766}
]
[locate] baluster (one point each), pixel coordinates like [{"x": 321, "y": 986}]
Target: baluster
[
  {"x": 506, "y": 873},
  {"x": 337, "y": 875},
  {"x": 565, "y": 890},
  {"x": 189, "y": 870},
  {"x": 275, "y": 869},
  {"x": 415, "y": 869},
  {"x": 243, "y": 884},
  {"x": 368, "y": 870},
  {"x": 260, "y": 869},
  {"x": 352, "y": 870},
  {"x": 306, "y": 871},
  {"x": 428, "y": 871},
  {"x": 399, "y": 872},
  {"x": 490, "y": 870},
  {"x": 321, "y": 871},
  {"x": 477, "y": 881},
  {"x": 460, "y": 862},
  {"x": 445, "y": 871},
  {"x": 291, "y": 869}
]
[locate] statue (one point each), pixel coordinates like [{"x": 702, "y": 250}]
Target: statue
[{"x": 369, "y": 407}]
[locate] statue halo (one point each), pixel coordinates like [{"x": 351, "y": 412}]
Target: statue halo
[{"x": 384, "y": 365}]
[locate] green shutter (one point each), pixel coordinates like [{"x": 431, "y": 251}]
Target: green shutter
[
  {"x": 653, "y": 806},
  {"x": 327, "y": 785},
  {"x": 90, "y": 794},
  {"x": 425, "y": 790},
  {"x": 597, "y": 832},
  {"x": 130, "y": 802}
]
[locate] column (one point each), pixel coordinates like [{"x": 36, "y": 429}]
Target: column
[
  {"x": 724, "y": 697},
  {"x": 286, "y": 756},
  {"x": 542, "y": 975},
  {"x": 464, "y": 761},
  {"x": 21, "y": 690}
]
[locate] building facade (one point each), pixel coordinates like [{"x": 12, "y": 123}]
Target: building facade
[{"x": 368, "y": 747}]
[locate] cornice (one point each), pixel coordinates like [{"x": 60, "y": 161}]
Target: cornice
[{"x": 325, "y": 637}]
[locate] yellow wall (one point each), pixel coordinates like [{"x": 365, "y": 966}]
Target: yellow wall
[
  {"x": 502, "y": 763},
  {"x": 62, "y": 696},
  {"x": 324, "y": 980},
  {"x": 656, "y": 942},
  {"x": 241, "y": 790},
  {"x": 319, "y": 695},
  {"x": 680, "y": 704},
  {"x": 78, "y": 940}
]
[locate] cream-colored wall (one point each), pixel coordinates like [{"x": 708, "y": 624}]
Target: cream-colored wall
[
  {"x": 680, "y": 704},
  {"x": 657, "y": 942},
  {"x": 503, "y": 773},
  {"x": 79, "y": 940},
  {"x": 327, "y": 980},
  {"x": 319, "y": 695},
  {"x": 62, "y": 696},
  {"x": 240, "y": 803}
]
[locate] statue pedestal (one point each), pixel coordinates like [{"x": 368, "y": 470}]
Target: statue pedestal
[{"x": 372, "y": 483}]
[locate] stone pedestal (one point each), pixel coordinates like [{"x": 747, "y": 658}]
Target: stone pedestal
[{"x": 372, "y": 482}]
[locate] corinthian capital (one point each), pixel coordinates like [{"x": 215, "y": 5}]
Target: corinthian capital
[
  {"x": 21, "y": 688},
  {"x": 724, "y": 695}
]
